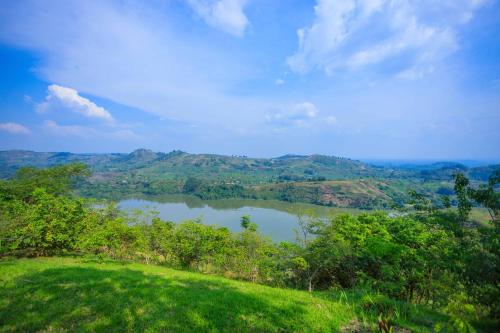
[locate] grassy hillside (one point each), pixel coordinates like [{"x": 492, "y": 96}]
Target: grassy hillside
[
  {"x": 74, "y": 294},
  {"x": 338, "y": 193}
]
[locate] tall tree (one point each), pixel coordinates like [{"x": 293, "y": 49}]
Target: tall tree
[{"x": 464, "y": 204}]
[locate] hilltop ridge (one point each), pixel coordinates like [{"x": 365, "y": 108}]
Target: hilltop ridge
[{"x": 318, "y": 179}]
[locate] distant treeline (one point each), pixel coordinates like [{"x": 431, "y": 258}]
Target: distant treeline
[{"x": 361, "y": 194}]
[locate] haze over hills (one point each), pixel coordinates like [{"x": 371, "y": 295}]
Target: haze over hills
[
  {"x": 318, "y": 179},
  {"x": 176, "y": 162}
]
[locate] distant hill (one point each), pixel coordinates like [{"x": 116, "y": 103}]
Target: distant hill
[
  {"x": 179, "y": 163},
  {"x": 318, "y": 179},
  {"x": 247, "y": 169},
  {"x": 11, "y": 160}
]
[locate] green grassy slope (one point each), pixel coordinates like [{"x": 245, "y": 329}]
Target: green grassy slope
[{"x": 74, "y": 294}]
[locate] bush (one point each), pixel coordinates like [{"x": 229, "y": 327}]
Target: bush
[{"x": 49, "y": 224}]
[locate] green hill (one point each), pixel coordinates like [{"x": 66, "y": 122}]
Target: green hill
[
  {"x": 157, "y": 165},
  {"x": 317, "y": 179},
  {"x": 78, "y": 295},
  {"x": 210, "y": 166}
]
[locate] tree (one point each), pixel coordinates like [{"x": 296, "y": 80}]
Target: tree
[
  {"x": 195, "y": 243},
  {"x": 420, "y": 202},
  {"x": 488, "y": 197},
  {"x": 247, "y": 224},
  {"x": 192, "y": 185},
  {"x": 161, "y": 239},
  {"x": 485, "y": 195},
  {"x": 254, "y": 253},
  {"x": 464, "y": 204},
  {"x": 48, "y": 224},
  {"x": 313, "y": 257},
  {"x": 445, "y": 200},
  {"x": 58, "y": 180}
]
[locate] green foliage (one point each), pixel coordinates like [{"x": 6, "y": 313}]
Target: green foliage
[
  {"x": 426, "y": 256},
  {"x": 48, "y": 224},
  {"x": 464, "y": 204},
  {"x": 247, "y": 224},
  {"x": 196, "y": 244},
  {"x": 420, "y": 202},
  {"x": 488, "y": 196},
  {"x": 461, "y": 315},
  {"x": 324, "y": 180},
  {"x": 399, "y": 256},
  {"x": 192, "y": 185},
  {"x": 106, "y": 232},
  {"x": 57, "y": 180}
]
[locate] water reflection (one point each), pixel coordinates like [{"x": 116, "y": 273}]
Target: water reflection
[{"x": 275, "y": 218}]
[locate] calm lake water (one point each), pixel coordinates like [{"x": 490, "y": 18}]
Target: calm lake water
[{"x": 275, "y": 219}]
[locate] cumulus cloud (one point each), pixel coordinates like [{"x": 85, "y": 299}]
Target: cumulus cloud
[
  {"x": 226, "y": 15},
  {"x": 129, "y": 52},
  {"x": 300, "y": 114},
  {"x": 355, "y": 34},
  {"x": 58, "y": 96},
  {"x": 14, "y": 128}
]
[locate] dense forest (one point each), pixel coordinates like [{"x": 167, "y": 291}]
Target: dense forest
[{"x": 428, "y": 255}]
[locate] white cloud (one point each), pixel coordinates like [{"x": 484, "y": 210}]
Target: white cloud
[
  {"x": 331, "y": 120},
  {"x": 131, "y": 53},
  {"x": 59, "y": 96},
  {"x": 14, "y": 128},
  {"x": 279, "y": 82},
  {"x": 125, "y": 134},
  {"x": 318, "y": 41},
  {"x": 68, "y": 130},
  {"x": 88, "y": 132},
  {"x": 300, "y": 114},
  {"x": 306, "y": 109},
  {"x": 355, "y": 34},
  {"x": 226, "y": 15}
]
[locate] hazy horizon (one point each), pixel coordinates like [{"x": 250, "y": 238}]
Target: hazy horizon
[
  {"x": 377, "y": 79},
  {"x": 470, "y": 162}
]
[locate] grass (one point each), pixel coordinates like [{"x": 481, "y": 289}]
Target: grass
[{"x": 74, "y": 294}]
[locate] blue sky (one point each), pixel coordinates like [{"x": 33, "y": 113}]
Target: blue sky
[{"x": 363, "y": 79}]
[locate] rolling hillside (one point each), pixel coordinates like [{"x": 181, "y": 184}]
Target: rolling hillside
[
  {"x": 180, "y": 164},
  {"x": 177, "y": 163},
  {"x": 82, "y": 295},
  {"x": 319, "y": 179}
]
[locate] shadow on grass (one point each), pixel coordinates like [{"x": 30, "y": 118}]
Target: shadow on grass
[{"x": 89, "y": 299}]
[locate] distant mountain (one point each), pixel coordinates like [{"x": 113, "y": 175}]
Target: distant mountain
[
  {"x": 482, "y": 173},
  {"x": 157, "y": 165},
  {"x": 427, "y": 164},
  {"x": 11, "y": 160},
  {"x": 318, "y": 179}
]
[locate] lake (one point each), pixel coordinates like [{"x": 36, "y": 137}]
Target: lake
[{"x": 275, "y": 219}]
